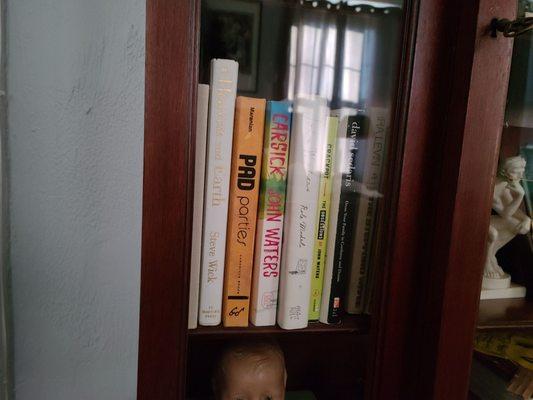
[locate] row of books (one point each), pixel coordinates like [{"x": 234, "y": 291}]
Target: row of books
[{"x": 284, "y": 207}]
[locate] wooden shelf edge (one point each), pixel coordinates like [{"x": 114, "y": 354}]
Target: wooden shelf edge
[
  {"x": 356, "y": 324},
  {"x": 505, "y": 314},
  {"x": 516, "y": 325}
]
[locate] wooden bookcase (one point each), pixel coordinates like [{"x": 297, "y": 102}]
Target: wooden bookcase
[{"x": 446, "y": 129}]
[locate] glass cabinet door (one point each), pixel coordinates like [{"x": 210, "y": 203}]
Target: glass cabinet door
[
  {"x": 503, "y": 338},
  {"x": 297, "y": 256}
]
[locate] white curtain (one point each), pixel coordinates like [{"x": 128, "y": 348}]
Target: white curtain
[{"x": 339, "y": 56}]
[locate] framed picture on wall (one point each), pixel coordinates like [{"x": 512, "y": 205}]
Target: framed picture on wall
[{"x": 232, "y": 31}]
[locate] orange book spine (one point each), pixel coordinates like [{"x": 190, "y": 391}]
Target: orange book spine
[{"x": 242, "y": 210}]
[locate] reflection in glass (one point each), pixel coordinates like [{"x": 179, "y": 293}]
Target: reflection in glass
[
  {"x": 346, "y": 53},
  {"x": 337, "y": 63},
  {"x": 337, "y": 55},
  {"x": 517, "y": 137},
  {"x": 510, "y": 243}
]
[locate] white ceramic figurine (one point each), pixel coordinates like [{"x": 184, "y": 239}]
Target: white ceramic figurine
[{"x": 508, "y": 222}]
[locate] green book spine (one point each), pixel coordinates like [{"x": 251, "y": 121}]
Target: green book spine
[{"x": 321, "y": 234}]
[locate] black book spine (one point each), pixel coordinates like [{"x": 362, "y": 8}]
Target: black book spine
[{"x": 351, "y": 183}]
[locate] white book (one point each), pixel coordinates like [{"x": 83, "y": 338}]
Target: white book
[
  {"x": 223, "y": 90},
  {"x": 340, "y": 166},
  {"x": 307, "y": 150},
  {"x": 202, "y": 106}
]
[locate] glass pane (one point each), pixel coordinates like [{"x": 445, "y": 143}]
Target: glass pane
[
  {"x": 508, "y": 275},
  {"x": 285, "y": 236}
]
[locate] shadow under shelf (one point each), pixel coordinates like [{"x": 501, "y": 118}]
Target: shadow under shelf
[
  {"x": 329, "y": 360},
  {"x": 356, "y": 324}
]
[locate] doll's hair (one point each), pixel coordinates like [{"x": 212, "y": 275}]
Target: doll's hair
[
  {"x": 512, "y": 163},
  {"x": 262, "y": 348}
]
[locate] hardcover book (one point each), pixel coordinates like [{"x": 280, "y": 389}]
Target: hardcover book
[
  {"x": 198, "y": 206},
  {"x": 269, "y": 236},
  {"x": 242, "y": 213},
  {"x": 359, "y": 284},
  {"x": 307, "y": 148},
  {"x": 344, "y": 203},
  {"x": 223, "y": 90},
  {"x": 321, "y": 233}
]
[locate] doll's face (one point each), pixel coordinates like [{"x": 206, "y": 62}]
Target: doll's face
[
  {"x": 514, "y": 168},
  {"x": 254, "y": 377},
  {"x": 516, "y": 173}
]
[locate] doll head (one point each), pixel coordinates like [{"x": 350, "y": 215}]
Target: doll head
[
  {"x": 513, "y": 168},
  {"x": 250, "y": 370}
]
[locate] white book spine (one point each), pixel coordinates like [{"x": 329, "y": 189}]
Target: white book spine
[
  {"x": 265, "y": 290},
  {"x": 219, "y": 144},
  {"x": 307, "y": 150},
  {"x": 339, "y": 167},
  {"x": 198, "y": 206}
]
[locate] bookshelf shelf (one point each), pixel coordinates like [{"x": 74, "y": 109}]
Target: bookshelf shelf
[
  {"x": 356, "y": 324},
  {"x": 505, "y": 314}
]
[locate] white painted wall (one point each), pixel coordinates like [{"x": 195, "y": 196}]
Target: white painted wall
[
  {"x": 5, "y": 348},
  {"x": 75, "y": 129}
]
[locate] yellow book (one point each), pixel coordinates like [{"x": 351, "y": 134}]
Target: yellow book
[
  {"x": 321, "y": 234},
  {"x": 242, "y": 210}
]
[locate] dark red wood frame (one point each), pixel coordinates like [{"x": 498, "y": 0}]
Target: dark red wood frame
[
  {"x": 430, "y": 292},
  {"x": 171, "y": 71},
  {"x": 452, "y": 87},
  {"x": 471, "y": 136}
]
